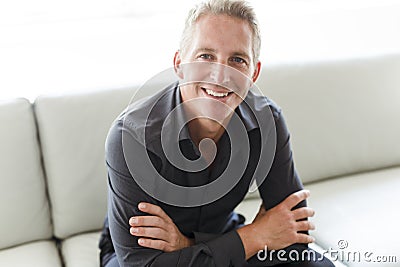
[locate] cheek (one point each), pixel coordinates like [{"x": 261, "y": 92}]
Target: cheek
[
  {"x": 241, "y": 82},
  {"x": 235, "y": 101},
  {"x": 189, "y": 91}
]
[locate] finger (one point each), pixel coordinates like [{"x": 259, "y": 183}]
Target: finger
[
  {"x": 153, "y": 243},
  {"x": 305, "y": 226},
  {"x": 149, "y": 232},
  {"x": 262, "y": 208},
  {"x": 260, "y": 212},
  {"x": 153, "y": 209},
  {"x": 296, "y": 198},
  {"x": 302, "y": 213},
  {"x": 153, "y": 221},
  {"x": 304, "y": 238}
]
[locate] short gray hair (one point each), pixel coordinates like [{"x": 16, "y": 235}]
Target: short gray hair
[{"x": 234, "y": 8}]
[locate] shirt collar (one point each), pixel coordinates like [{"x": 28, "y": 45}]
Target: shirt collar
[
  {"x": 168, "y": 99},
  {"x": 243, "y": 110}
]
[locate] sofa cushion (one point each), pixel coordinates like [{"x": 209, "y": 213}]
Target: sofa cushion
[
  {"x": 40, "y": 253},
  {"x": 249, "y": 207},
  {"x": 359, "y": 210},
  {"x": 343, "y": 115},
  {"x": 72, "y": 130},
  {"x": 81, "y": 250},
  {"x": 24, "y": 206},
  {"x": 322, "y": 251}
]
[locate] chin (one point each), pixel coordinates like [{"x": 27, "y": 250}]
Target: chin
[{"x": 212, "y": 126}]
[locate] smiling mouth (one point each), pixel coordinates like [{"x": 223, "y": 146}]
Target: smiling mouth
[{"x": 215, "y": 93}]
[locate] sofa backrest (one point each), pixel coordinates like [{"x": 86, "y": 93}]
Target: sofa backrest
[
  {"x": 24, "y": 207},
  {"x": 72, "y": 130},
  {"x": 344, "y": 116}
]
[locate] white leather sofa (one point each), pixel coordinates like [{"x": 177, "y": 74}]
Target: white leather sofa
[{"x": 344, "y": 117}]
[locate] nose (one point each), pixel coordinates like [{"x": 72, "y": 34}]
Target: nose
[{"x": 219, "y": 74}]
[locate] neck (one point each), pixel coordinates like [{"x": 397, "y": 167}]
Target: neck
[{"x": 201, "y": 128}]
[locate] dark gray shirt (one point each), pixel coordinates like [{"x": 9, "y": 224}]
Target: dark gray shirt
[{"x": 213, "y": 225}]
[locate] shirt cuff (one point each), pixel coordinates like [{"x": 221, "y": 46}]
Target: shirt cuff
[
  {"x": 204, "y": 237},
  {"x": 227, "y": 250}
]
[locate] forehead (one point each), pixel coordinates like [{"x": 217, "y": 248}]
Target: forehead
[{"x": 222, "y": 31}]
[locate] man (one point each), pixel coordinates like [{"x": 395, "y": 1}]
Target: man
[{"x": 148, "y": 223}]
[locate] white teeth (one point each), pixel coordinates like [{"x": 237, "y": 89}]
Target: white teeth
[{"x": 213, "y": 93}]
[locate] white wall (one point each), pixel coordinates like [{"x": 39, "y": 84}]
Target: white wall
[{"x": 49, "y": 46}]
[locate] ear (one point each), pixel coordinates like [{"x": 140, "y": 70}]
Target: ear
[
  {"x": 256, "y": 72},
  {"x": 177, "y": 64}
]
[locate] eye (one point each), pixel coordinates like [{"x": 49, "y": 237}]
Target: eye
[
  {"x": 206, "y": 56},
  {"x": 238, "y": 60}
]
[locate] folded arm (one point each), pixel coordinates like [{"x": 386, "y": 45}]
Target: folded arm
[{"x": 124, "y": 198}]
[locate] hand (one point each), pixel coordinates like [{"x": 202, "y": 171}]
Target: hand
[
  {"x": 261, "y": 212},
  {"x": 157, "y": 231},
  {"x": 279, "y": 226}
]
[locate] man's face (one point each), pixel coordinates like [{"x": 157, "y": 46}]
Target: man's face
[{"x": 222, "y": 48}]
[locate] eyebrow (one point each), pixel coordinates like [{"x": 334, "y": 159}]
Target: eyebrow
[{"x": 203, "y": 49}]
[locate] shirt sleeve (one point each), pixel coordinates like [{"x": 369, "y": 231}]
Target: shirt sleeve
[
  {"x": 124, "y": 196},
  {"x": 281, "y": 181}
]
